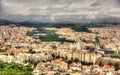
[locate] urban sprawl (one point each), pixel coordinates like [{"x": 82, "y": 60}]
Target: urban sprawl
[{"x": 71, "y": 53}]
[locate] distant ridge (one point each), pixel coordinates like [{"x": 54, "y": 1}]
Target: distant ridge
[
  {"x": 58, "y": 25},
  {"x": 3, "y": 21},
  {"x": 26, "y": 23}
]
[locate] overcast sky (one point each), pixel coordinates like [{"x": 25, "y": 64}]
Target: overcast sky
[{"x": 85, "y": 11}]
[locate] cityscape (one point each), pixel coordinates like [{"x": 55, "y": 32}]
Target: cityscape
[
  {"x": 59, "y": 37},
  {"x": 62, "y": 51}
]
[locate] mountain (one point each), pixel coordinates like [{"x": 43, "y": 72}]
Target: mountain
[
  {"x": 5, "y": 22},
  {"x": 57, "y": 25}
]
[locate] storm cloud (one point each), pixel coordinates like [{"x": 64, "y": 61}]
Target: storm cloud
[{"x": 85, "y": 11}]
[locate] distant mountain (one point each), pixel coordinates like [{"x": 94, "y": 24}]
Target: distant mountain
[
  {"x": 26, "y": 23},
  {"x": 57, "y": 25},
  {"x": 32, "y": 24},
  {"x": 5, "y": 22}
]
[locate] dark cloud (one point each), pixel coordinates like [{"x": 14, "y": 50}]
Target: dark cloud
[{"x": 60, "y": 10}]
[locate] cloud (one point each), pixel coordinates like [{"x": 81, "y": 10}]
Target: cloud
[{"x": 85, "y": 11}]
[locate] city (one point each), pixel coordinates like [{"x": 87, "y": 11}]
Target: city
[
  {"x": 93, "y": 52},
  {"x": 59, "y": 37}
]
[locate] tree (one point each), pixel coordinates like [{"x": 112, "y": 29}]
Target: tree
[
  {"x": 58, "y": 56},
  {"x": 86, "y": 63},
  {"x": 91, "y": 49},
  {"x": 53, "y": 55},
  {"x": 116, "y": 65},
  {"x": 69, "y": 62},
  {"x": 57, "y": 73},
  {"x": 101, "y": 64},
  {"x": 65, "y": 58},
  {"x": 76, "y": 60},
  {"x": 14, "y": 69}
]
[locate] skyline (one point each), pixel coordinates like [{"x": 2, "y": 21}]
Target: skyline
[{"x": 66, "y": 11}]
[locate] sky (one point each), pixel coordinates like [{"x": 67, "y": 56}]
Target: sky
[{"x": 81, "y": 11}]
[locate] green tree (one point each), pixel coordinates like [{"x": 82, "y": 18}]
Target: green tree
[
  {"x": 116, "y": 65},
  {"x": 14, "y": 69},
  {"x": 76, "y": 60},
  {"x": 69, "y": 62},
  {"x": 100, "y": 63}
]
